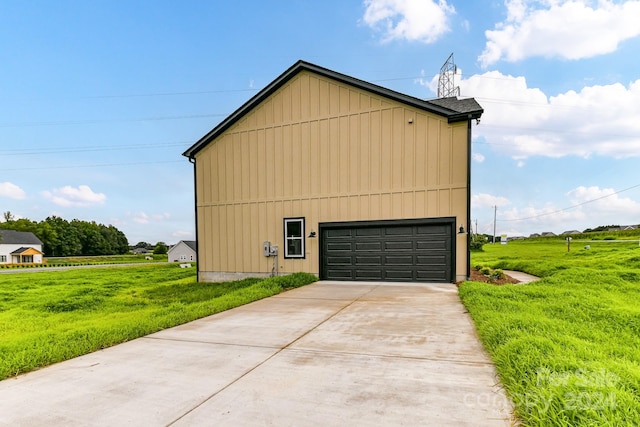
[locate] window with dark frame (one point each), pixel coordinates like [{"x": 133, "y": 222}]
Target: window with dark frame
[{"x": 294, "y": 238}]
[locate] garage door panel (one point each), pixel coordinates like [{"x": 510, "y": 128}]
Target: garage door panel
[
  {"x": 436, "y": 260},
  {"x": 368, "y": 246},
  {"x": 428, "y": 276},
  {"x": 340, "y": 246},
  {"x": 339, "y": 260},
  {"x": 340, "y": 232},
  {"x": 399, "y": 245},
  {"x": 375, "y": 274},
  {"x": 433, "y": 229},
  {"x": 406, "y": 260},
  {"x": 399, "y": 231},
  {"x": 339, "y": 275},
  {"x": 368, "y": 232},
  {"x": 394, "y": 252},
  {"x": 375, "y": 260},
  {"x": 399, "y": 275},
  {"x": 430, "y": 267},
  {"x": 440, "y": 244}
]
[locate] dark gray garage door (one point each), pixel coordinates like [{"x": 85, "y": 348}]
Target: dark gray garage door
[{"x": 388, "y": 251}]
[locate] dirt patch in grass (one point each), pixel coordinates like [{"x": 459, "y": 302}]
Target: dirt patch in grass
[{"x": 477, "y": 276}]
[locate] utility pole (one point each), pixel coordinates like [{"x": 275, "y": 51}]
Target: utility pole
[{"x": 495, "y": 212}]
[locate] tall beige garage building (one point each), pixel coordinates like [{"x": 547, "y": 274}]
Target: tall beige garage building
[{"x": 324, "y": 173}]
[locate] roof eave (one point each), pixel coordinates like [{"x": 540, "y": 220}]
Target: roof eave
[
  {"x": 236, "y": 115},
  {"x": 452, "y": 116},
  {"x": 462, "y": 117}
]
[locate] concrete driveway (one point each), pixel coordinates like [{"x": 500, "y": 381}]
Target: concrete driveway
[{"x": 328, "y": 354}]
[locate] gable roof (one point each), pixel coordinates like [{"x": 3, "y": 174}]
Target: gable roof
[
  {"x": 26, "y": 251},
  {"x": 571, "y": 232},
  {"x": 190, "y": 243},
  {"x": 12, "y": 237},
  {"x": 454, "y": 109}
]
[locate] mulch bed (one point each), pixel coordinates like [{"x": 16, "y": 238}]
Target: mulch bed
[{"x": 477, "y": 276}]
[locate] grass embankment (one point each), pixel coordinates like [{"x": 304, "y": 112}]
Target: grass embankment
[
  {"x": 56, "y": 315},
  {"x": 90, "y": 260},
  {"x": 567, "y": 347},
  {"x": 105, "y": 259}
]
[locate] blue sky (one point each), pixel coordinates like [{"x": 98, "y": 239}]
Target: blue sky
[{"x": 99, "y": 99}]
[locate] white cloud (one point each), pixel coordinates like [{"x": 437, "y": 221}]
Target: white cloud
[
  {"x": 521, "y": 121},
  {"x": 487, "y": 200},
  {"x": 182, "y": 234},
  {"x": 569, "y": 29},
  {"x": 161, "y": 217},
  {"x": 603, "y": 201},
  {"x": 70, "y": 196},
  {"x": 12, "y": 191},
  {"x": 585, "y": 207},
  {"x": 141, "y": 218},
  {"x": 144, "y": 218},
  {"x": 477, "y": 157},
  {"x": 414, "y": 20}
]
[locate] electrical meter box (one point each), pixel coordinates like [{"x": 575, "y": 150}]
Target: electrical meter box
[
  {"x": 267, "y": 248},
  {"x": 273, "y": 251}
]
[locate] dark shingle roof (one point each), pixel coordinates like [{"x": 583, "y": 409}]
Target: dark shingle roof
[
  {"x": 464, "y": 106},
  {"x": 12, "y": 237},
  {"x": 191, "y": 244},
  {"x": 455, "y": 110}
]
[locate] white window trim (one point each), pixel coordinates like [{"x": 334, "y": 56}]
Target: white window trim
[{"x": 302, "y": 255}]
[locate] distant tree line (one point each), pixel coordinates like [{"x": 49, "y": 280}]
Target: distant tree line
[
  {"x": 600, "y": 228},
  {"x": 68, "y": 238},
  {"x": 159, "y": 248}
]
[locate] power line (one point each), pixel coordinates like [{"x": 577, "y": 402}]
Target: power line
[
  {"x": 554, "y": 131},
  {"x": 84, "y": 122},
  {"x": 219, "y": 91},
  {"x": 97, "y": 165},
  {"x": 145, "y": 95},
  {"x": 570, "y": 207},
  {"x": 163, "y": 118},
  {"x": 120, "y": 147}
]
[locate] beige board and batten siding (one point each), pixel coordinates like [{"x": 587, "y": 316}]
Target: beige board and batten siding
[{"x": 326, "y": 151}]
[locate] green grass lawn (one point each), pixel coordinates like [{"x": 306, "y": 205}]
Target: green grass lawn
[
  {"x": 49, "y": 316},
  {"x": 567, "y": 348}
]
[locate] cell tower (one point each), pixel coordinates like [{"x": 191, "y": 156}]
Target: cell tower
[{"x": 446, "y": 83}]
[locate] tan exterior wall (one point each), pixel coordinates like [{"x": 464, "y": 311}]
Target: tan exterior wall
[{"x": 327, "y": 152}]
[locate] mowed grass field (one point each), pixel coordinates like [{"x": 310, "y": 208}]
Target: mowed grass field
[
  {"x": 567, "y": 347},
  {"x": 106, "y": 259},
  {"x": 50, "y": 316}
]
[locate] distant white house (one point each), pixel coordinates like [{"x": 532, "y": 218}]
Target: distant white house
[
  {"x": 20, "y": 247},
  {"x": 183, "y": 251}
]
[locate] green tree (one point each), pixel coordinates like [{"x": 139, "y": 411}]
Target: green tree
[
  {"x": 144, "y": 245},
  {"x": 160, "y": 248},
  {"x": 91, "y": 239},
  {"x": 116, "y": 239},
  {"x": 477, "y": 242},
  {"x": 62, "y": 238},
  {"x": 66, "y": 242}
]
